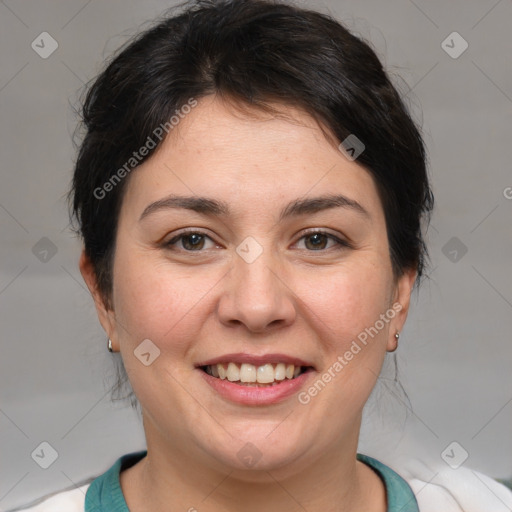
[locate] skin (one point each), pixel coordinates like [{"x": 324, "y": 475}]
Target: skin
[{"x": 294, "y": 299}]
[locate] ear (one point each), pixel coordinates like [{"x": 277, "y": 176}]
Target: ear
[
  {"x": 106, "y": 316},
  {"x": 400, "y": 303}
]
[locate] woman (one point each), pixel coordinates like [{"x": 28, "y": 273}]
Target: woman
[{"x": 251, "y": 192}]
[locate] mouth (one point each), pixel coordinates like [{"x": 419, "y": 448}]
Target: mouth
[
  {"x": 256, "y": 380},
  {"x": 246, "y": 374}
]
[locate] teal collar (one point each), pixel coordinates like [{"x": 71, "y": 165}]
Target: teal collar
[
  {"x": 105, "y": 494},
  {"x": 399, "y": 494}
]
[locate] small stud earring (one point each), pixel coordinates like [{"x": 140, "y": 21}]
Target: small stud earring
[
  {"x": 397, "y": 335},
  {"x": 109, "y": 346}
]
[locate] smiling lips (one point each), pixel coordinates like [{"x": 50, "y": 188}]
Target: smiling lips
[{"x": 255, "y": 371}]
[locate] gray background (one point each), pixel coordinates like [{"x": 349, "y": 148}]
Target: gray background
[{"x": 455, "y": 353}]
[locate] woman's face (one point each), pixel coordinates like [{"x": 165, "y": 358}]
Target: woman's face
[{"x": 252, "y": 241}]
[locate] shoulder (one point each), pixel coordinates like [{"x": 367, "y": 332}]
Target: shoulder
[
  {"x": 65, "y": 501},
  {"x": 102, "y": 487},
  {"x": 439, "y": 487}
]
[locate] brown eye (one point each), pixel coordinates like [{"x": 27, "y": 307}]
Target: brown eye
[
  {"x": 193, "y": 242},
  {"x": 316, "y": 241},
  {"x": 319, "y": 241},
  {"x": 189, "y": 242}
]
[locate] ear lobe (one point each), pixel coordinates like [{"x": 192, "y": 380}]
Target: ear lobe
[
  {"x": 402, "y": 296},
  {"x": 91, "y": 280}
]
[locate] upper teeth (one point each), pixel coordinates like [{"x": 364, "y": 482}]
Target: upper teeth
[{"x": 246, "y": 372}]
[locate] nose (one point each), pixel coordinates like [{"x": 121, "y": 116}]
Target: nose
[{"x": 256, "y": 296}]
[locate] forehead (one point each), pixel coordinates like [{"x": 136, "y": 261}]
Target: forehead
[{"x": 249, "y": 157}]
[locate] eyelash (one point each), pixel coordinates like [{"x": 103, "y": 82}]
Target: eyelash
[{"x": 341, "y": 244}]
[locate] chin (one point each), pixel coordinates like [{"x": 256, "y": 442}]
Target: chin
[{"x": 255, "y": 451}]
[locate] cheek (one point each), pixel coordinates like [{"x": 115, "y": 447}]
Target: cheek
[
  {"x": 346, "y": 302},
  {"x": 344, "y": 312},
  {"x": 151, "y": 302}
]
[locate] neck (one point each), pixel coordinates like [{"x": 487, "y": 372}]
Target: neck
[{"x": 334, "y": 482}]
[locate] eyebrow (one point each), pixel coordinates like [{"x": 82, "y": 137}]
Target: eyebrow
[{"x": 213, "y": 207}]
